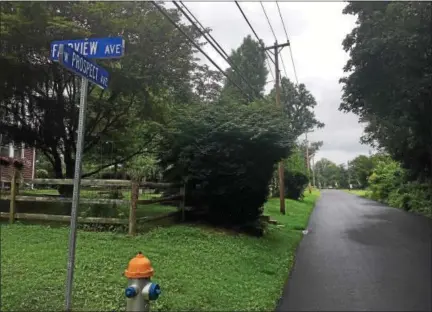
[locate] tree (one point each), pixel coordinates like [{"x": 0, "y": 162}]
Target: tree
[
  {"x": 389, "y": 81},
  {"x": 295, "y": 170},
  {"x": 39, "y": 99},
  {"x": 296, "y": 161},
  {"x": 327, "y": 173},
  {"x": 208, "y": 84},
  {"x": 343, "y": 177},
  {"x": 249, "y": 62},
  {"x": 361, "y": 168},
  {"x": 298, "y": 104}
]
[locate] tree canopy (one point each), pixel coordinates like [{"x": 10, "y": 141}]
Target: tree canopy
[
  {"x": 298, "y": 105},
  {"x": 388, "y": 82},
  {"x": 249, "y": 62},
  {"x": 39, "y": 99}
]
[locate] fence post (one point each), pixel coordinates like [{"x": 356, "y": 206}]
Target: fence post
[
  {"x": 12, "y": 205},
  {"x": 133, "y": 207},
  {"x": 182, "y": 201}
]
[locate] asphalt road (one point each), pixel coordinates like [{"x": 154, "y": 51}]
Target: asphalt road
[{"x": 361, "y": 256}]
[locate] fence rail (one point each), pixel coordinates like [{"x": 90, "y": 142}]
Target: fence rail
[
  {"x": 51, "y": 217},
  {"x": 59, "y": 199},
  {"x": 99, "y": 182},
  {"x": 133, "y": 202}
]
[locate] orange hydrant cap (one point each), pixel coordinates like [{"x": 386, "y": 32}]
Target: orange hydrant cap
[{"x": 139, "y": 267}]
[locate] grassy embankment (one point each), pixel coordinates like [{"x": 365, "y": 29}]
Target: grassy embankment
[{"x": 197, "y": 267}]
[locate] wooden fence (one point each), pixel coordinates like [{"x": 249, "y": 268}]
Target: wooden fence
[{"x": 14, "y": 197}]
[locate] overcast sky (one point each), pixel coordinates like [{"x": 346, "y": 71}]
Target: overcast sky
[{"x": 316, "y": 31}]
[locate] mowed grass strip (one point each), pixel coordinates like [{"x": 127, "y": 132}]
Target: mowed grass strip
[
  {"x": 361, "y": 193},
  {"x": 198, "y": 268}
]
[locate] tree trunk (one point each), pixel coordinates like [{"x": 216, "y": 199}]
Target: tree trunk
[{"x": 64, "y": 190}]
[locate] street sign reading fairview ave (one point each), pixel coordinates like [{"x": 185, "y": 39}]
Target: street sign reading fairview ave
[
  {"x": 101, "y": 48},
  {"x": 80, "y": 65}
]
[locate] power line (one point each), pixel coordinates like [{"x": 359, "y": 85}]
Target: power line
[
  {"x": 268, "y": 20},
  {"x": 217, "y": 47},
  {"x": 196, "y": 45},
  {"x": 286, "y": 34},
  {"x": 274, "y": 35},
  {"x": 247, "y": 21},
  {"x": 283, "y": 66},
  {"x": 259, "y": 40},
  {"x": 294, "y": 68},
  {"x": 199, "y": 23},
  {"x": 283, "y": 23}
]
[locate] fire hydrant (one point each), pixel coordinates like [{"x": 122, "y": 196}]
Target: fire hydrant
[{"x": 140, "y": 290}]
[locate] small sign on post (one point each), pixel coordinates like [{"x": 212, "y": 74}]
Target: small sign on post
[
  {"x": 80, "y": 65},
  {"x": 94, "y": 48},
  {"x": 74, "y": 55}
]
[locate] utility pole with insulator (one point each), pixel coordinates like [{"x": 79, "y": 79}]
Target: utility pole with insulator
[{"x": 276, "y": 50}]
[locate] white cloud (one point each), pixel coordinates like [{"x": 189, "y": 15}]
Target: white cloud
[{"x": 316, "y": 31}]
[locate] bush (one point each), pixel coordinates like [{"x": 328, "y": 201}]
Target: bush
[
  {"x": 412, "y": 196},
  {"x": 295, "y": 184},
  {"x": 386, "y": 177},
  {"x": 389, "y": 184},
  {"x": 226, "y": 155},
  {"x": 42, "y": 174}
]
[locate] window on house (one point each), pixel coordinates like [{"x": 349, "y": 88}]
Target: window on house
[
  {"x": 4, "y": 150},
  {"x": 4, "y": 147},
  {"x": 16, "y": 151}
]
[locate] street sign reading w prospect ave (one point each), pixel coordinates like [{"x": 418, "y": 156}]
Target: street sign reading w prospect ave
[
  {"x": 99, "y": 48},
  {"x": 82, "y": 66}
]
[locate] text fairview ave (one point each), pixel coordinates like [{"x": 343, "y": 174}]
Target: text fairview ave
[{"x": 91, "y": 48}]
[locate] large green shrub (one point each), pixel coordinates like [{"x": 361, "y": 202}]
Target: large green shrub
[
  {"x": 227, "y": 155},
  {"x": 295, "y": 176},
  {"x": 386, "y": 177},
  {"x": 295, "y": 184}
]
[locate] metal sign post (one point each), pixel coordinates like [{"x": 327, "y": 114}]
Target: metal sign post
[
  {"x": 76, "y": 193},
  {"x": 79, "y": 64}
]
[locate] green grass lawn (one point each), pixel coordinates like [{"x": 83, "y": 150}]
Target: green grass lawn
[
  {"x": 362, "y": 193},
  {"x": 198, "y": 268}
]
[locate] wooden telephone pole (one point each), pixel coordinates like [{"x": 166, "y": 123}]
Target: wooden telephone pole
[
  {"x": 276, "y": 49},
  {"x": 308, "y": 163}
]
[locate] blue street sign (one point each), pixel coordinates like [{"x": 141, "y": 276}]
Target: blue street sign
[
  {"x": 110, "y": 47},
  {"x": 82, "y": 66}
]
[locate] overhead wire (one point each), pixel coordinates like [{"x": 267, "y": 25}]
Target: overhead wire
[
  {"x": 215, "y": 45},
  {"x": 274, "y": 35},
  {"x": 286, "y": 34},
  {"x": 283, "y": 66},
  {"x": 165, "y": 14},
  {"x": 283, "y": 23},
  {"x": 199, "y": 23},
  {"x": 268, "y": 20},
  {"x": 258, "y": 38}
]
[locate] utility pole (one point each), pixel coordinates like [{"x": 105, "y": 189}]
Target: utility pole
[
  {"x": 276, "y": 49},
  {"x": 308, "y": 163},
  {"x": 313, "y": 170},
  {"x": 349, "y": 175}
]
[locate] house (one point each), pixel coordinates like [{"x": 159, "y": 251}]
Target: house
[{"x": 26, "y": 155}]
